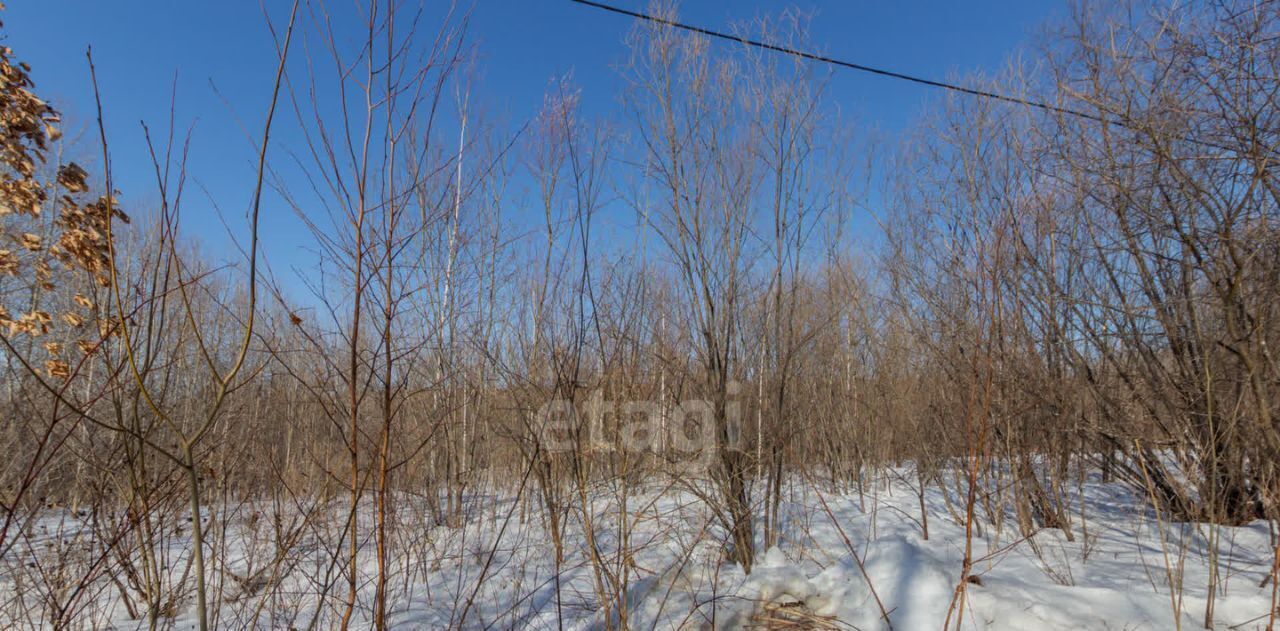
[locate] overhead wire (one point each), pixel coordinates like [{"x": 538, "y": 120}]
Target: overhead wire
[
  {"x": 837, "y": 62},
  {"x": 786, "y": 50}
]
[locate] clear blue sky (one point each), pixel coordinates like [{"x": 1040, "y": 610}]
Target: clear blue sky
[{"x": 140, "y": 45}]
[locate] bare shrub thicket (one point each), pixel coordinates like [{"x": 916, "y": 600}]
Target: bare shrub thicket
[
  {"x": 513, "y": 325},
  {"x": 1114, "y": 273}
]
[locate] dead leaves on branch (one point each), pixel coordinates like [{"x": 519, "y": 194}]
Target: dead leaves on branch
[
  {"x": 73, "y": 178},
  {"x": 8, "y": 263},
  {"x": 33, "y": 323},
  {"x": 57, "y": 369},
  {"x": 27, "y": 125},
  {"x": 84, "y": 243},
  {"x": 75, "y": 242}
]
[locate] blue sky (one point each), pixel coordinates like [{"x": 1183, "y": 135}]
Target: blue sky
[{"x": 139, "y": 45}]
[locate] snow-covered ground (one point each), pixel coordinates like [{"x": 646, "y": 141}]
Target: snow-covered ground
[{"x": 498, "y": 568}]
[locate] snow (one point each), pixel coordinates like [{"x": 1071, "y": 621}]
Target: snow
[{"x": 1122, "y": 567}]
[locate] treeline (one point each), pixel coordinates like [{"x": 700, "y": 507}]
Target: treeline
[{"x": 1054, "y": 290}]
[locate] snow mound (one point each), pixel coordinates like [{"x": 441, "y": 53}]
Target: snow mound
[{"x": 776, "y": 580}]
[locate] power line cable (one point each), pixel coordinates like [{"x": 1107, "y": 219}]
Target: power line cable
[
  {"x": 880, "y": 71},
  {"x": 843, "y": 64}
]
